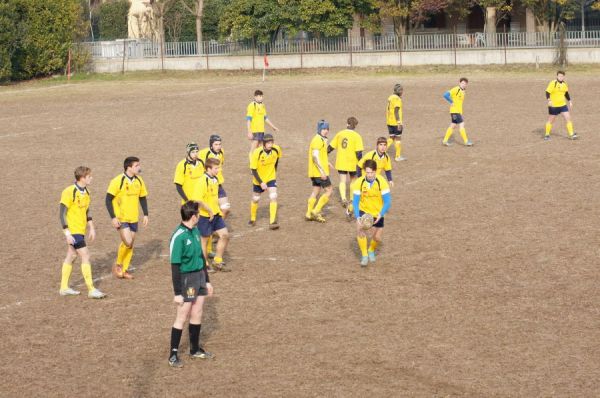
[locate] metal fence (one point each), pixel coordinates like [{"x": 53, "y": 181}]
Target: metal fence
[{"x": 415, "y": 42}]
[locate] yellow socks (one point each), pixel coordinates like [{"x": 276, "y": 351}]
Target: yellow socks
[
  {"x": 86, "y": 270},
  {"x": 127, "y": 258},
  {"x": 570, "y": 128},
  {"x": 463, "y": 134},
  {"x": 121, "y": 253},
  {"x": 209, "y": 245},
  {"x": 398, "y": 147},
  {"x": 218, "y": 260},
  {"x": 362, "y": 245},
  {"x": 373, "y": 245},
  {"x": 272, "y": 212},
  {"x": 66, "y": 274},
  {"x": 253, "y": 210},
  {"x": 321, "y": 203},
  {"x": 448, "y": 134},
  {"x": 311, "y": 204},
  {"x": 343, "y": 190},
  {"x": 548, "y": 128}
]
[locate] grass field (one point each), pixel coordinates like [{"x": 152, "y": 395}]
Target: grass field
[{"x": 486, "y": 284}]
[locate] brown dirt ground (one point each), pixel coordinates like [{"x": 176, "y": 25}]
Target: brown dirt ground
[{"x": 486, "y": 285}]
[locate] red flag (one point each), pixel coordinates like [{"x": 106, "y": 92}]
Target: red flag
[{"x": 266, "y": 60}]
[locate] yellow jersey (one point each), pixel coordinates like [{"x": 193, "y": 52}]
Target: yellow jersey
[
  {"x": 265, "y": 163},
  {"x": 347, "y": 142},
  {"x": 318, "y": 143},
  {"x": 257, "y": 114},
  {"x": 206, "y": 154},
  {"x": 209, "y": 194},
  {"x": 77, "y": 202},
  {"x": 127, "y": 193},
  {"x": 371, "y": 194},
  {"x": 393, "y": 102},
  {"x": 557, "y": 91},
  {"x": 384, "y": 163},
  {"x": 187, "y": 174},
  {"x": 457, "y": 95}
]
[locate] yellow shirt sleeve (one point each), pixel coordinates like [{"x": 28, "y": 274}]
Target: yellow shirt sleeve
[
  {"x": 250, "y": 111},
  {"x": 385, "y": 187},
  {"x": 359, "y": 143},
  {"x": 66, "y": 198},
  {"x": 143, "y": 191},
  {"x": 113, "y": 187},
  {"x": 179, "y": 173},
  {"x": 551, "y": 86},
  {"x": 334, "y": 141},
  {"x": 387, "y": 164}
]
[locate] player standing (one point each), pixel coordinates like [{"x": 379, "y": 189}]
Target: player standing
[
  {"x": 318, "y": 172},
  {"x": 211, "y": 219},
  {"x": 381, "y": 158},
  {"x": 557, "y": 94},
  {"x": 263, "y": 163},
  {"x": 393, "y": 116},
  {"x": 191, "y": 283},
  {"x": 126, "y": 193},
  {"x": 256, "y": 116},
  {"x": 349, "y": 145},
  {"x": 187, "y": 175},
  {"x": 455, "y": 97},
  {"x": 372, "y": 196},
  {"x": 75, "y": 218}
]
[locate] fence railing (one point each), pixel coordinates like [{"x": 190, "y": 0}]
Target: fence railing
[{"x": 415, "y": 42}]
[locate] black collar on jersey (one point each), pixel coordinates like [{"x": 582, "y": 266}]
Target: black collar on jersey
[
  {"x": 213, "y": 152},
  {"x": 190, "y": 161},
  {"x": 209, "y": 176},
  {"x": 130, "y": 178},
  {"x": 81, "y": 189}
]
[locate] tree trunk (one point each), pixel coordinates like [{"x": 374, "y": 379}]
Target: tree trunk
[{"x": 199, "y": 14}]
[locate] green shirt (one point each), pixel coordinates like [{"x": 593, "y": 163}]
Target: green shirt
[{"x": 185, "y": 249}]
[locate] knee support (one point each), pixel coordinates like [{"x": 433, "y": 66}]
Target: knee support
[{"x": 273, "y": 195}]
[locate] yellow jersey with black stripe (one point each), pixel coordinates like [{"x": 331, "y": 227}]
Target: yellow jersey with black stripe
[
  {"x": 394, "y": 102},
  {"x": 209, "y": 194},
  {"x": 347, "y": 142},
  {"x": 265, "y": 163},
  {"x": 318, "y": 143},
  {"x": 127, "y": 193},
  {"x": 187, "y": 174},
  {"x": 557, "y": 91},
  {"x": 384, "y": 162},
  {"x": 371, "y": 193},
  {"x": 77, "y": 201},
  {"x": 206, "y": 154},
  {"x": 257, "y": 114},
  {"x": 457, "y": 95}
]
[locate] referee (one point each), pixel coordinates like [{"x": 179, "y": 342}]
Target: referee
[{"x": 190, "y": 283}]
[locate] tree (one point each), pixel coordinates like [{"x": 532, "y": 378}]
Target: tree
[
  {"x": 9, "y": 38},
  {"x": 502, "y": 8},
  {"x": 196, "y": 8},
  {"x": 550, "y": 13},
  {"x": 248, "y": 19},
  {"x": 112, "y": 19}
]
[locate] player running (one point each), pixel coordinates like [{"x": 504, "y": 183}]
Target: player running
[
  {"x": 371, "y": 195},
  {"x": 318, "y": 172},
  {"x": 126, "y": 193},
  {"x": 393, "y": 116},
  {"x": 349, "y": 145},
  {"x": 256, "y": 116},
  {"x": 263, "y": 163},
  {"x": 381, "y": 158},
  {"x": 455, "y": 97},
  {"x": 557, "y": 94},
  {"x": 75, "y": 218}
]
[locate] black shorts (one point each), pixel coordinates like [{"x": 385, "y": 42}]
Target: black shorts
[
  {"x": 318, "y": 182},
  {"x": 208, "y": 227},
  {"x": 258, "y": 188},
  {"x": 133, "y": 226},
  {"x": 194, "y": 285},
  {"x": 379, "y": 223},
  {"x": 350, "y": 173},
  {"x": 258, "y": 137},
  {"x": 456, "y": 118},
  {"x": 395, "y": 131},
  {"x": 79, "y": 241},
  {"x": 557, "y": 110},
  {"x": 222, "y": 193}
]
